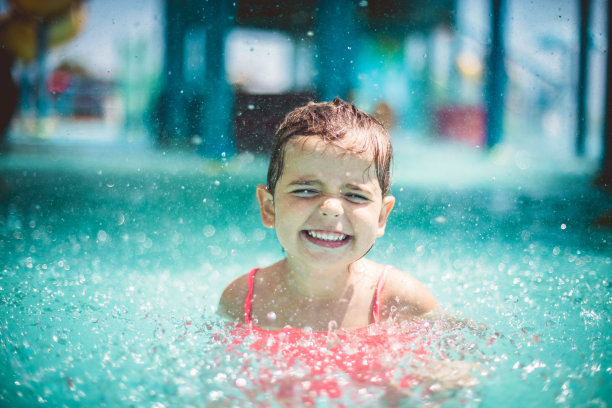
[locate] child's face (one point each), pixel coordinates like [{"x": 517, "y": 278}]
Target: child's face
[{"x": 327, "y": 207}]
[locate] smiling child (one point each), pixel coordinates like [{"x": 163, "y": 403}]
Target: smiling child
[{"x": 327, "y": 196}]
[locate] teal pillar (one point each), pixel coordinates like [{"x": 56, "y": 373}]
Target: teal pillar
[
  {"x": 496, "y": 74},
  {"x": 217, "y": 106},
  {"x": 336, "y": 43},
  {"x": 581, "y": 125},
  {"x": 170, "y": 114},
  {"x": 606, "y": 163}
]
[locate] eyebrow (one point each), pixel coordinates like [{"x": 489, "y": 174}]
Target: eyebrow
[
  {"x": 352, "y": 186},
  {"x": 304, "y": 181}
]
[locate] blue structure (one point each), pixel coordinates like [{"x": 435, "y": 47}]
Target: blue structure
[
  {"x": 496, "y": 75},
  {"x": 582, "y": 78},
  {"x": 196, "y": 102},
  {"x": 337, "y": 34},
  {"x": 216, "y": 108},
  {"x": 198, "y": 106},
  {"x": 605, "y": 178}
]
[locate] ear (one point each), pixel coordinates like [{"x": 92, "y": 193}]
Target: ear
[
  {"x": 387, "y": 205},
  {"x": 266, "y": 206}
]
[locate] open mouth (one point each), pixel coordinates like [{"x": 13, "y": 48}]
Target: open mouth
[{"x": 326, "y": 238}]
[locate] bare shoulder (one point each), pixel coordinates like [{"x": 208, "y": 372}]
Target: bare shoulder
[
  {"x": 231, "y": 304},
  {"x": 409, "y": 297}
]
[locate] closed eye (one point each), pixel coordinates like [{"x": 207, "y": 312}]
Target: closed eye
[
  {"x": 356, "y": 198},
  {"x": 305, "y": 192}
]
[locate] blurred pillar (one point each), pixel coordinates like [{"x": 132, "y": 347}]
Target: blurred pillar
[
  {"x": 171, "y": 114},
  {"x": 581, "y": 124},
  {"x": 606, "y": 168},
  {"x": 42, "y": 101},
  {"x": 496, "y": 80},
  {"x": 336, "y": 41},
  {"x": 10, "y": 95},
  {"x": 217, "y": 105}
]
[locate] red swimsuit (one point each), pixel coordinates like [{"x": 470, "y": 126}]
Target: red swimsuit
[{"x": 368, "y": 355}]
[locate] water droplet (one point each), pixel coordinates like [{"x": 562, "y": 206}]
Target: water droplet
[
  {"x": 332, "y": 326},
  {"x": 102, "y": 236},
  {"x": 440, "y": 219},
  {"x": 208, "y": 231},
  {"x": 392, "y": 312},
  {"x": 215, "y": 395}
]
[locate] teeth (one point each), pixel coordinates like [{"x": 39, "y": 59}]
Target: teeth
[{"x": 327, "y": 236}]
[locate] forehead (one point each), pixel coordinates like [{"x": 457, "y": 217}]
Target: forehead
[
  {"x": 342, "y": 149},
  {"x": 312, "y": 157}
]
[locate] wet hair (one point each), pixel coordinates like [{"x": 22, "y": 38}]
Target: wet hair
[{"x": 338, "y": 123}]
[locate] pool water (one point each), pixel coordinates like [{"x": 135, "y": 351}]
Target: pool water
[{"x": 112, "y": 267}]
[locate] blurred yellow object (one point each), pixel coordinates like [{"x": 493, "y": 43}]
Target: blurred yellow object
[
  {"x": 469, "y": 65},
  {"x": 42, "y": 8},
  {"x": 18, "y": 31}
]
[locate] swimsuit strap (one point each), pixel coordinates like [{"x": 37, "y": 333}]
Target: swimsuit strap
[
  {"x": 249, "y": 298},
  {"x": 379, "y": 288},
  {"x": 375, "y": 308}
]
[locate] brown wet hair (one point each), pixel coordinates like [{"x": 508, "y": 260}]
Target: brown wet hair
[{"x": 338, "y": 123}]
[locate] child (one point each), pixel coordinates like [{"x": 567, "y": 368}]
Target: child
[{"x": 327, "y": 196}]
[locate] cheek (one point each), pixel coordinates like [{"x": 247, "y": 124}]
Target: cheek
[
  {"x": 294, "y": 207},
  {"x": 367, "y": 218},
  {"x": 368, "y": 214},
  {"x": 289, "y": 213}
]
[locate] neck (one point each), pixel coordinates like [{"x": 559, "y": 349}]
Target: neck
[{"x": 317, "y": 283}]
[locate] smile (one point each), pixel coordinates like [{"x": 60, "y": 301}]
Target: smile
[{"x": 326, "y": 238}]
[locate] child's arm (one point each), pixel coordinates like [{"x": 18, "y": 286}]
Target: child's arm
[
  {"x": 231, "y": 304},
  {"x": 404, "y": 297}
]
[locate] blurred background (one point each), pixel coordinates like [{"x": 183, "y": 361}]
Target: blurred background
[
  {"x": 519, "y": 81},
  {"x": 133, "y": 134}
]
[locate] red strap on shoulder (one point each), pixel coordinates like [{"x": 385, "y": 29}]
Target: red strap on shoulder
[
  {"x": 249, "y": 298},
  {"x": 379, "y": 288}
]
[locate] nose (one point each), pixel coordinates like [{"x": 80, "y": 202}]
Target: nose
[{"x": 331, "y": 207}]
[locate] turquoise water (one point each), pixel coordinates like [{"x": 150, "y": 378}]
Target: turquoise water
[{"x": 112, "y": 266}]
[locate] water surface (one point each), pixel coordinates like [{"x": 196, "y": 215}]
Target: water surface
[{"x": 112, "y": 266}]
